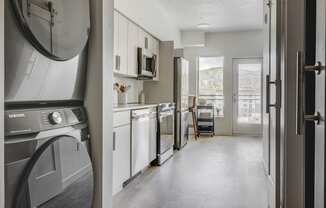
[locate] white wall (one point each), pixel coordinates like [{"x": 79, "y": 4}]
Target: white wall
[
  {"x": 230, "y": 45},
  {"x": 193, "y": 38},
  {"x": 98, "y": 100},
  {"x": 1, "y": 103},
  {"x": 152, "y": 16}
]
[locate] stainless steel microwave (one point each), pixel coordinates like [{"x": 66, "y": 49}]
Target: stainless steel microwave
[{"x": 147, "y": 64}]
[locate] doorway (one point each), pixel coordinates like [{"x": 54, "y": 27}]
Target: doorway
[{"x": 247, "y": 96}]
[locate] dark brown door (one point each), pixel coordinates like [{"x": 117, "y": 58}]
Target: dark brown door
[{"x": 311, "y": 115}]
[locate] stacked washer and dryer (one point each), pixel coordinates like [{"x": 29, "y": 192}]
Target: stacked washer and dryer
[{"x": 47, "y": 157}]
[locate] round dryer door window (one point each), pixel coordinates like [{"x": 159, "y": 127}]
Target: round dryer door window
[
  {"x": 59, "y": 29},
  {"x": 59, "y": 174}
]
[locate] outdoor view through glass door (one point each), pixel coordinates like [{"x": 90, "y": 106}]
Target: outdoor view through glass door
[{"x": 247, "y": 96}]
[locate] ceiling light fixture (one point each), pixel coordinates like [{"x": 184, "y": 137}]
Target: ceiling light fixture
[{"x": 203, "y": 25}]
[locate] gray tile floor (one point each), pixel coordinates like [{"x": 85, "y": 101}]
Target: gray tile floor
[{"x": 219, "y": 172}]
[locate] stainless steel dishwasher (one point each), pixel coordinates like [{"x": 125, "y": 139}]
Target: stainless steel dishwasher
[{"x": 144, "y": 133}]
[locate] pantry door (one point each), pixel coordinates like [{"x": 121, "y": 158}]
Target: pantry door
[{"x": 247, "y": 96}]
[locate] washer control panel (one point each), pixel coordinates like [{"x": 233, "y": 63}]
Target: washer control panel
[{"x": 35, "y": 120}]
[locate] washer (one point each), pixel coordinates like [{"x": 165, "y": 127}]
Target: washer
[{"x": 47, "y": 160}]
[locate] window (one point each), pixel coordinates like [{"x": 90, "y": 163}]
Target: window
[{"x": 211, "y": 82}]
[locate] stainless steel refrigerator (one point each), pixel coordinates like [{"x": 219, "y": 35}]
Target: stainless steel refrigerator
[{"x": 181, "y": 99}]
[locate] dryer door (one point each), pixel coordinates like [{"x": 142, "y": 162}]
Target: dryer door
[
  {"x": 58, "y": 29},
  {"x": 59, "y": 174}
]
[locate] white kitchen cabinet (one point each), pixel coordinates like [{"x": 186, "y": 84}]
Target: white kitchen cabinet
[
  {"x": 141, "y": 38},
  {"x": 121, "y": 157},
  {"x": 132, "y": 49},
  {"x": 145, "y": 41},
  {"x": 123, "y": 44},
  {"x": 128, "y": 36},
  {"x": 116, "y": 42},
  {"x": 149, "y": 43},
  {"x": 120, "y": 44},
  {"x": 121, "y": 118}
]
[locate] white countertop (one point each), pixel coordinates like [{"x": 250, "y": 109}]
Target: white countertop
[{"x": 127, "y": 107}]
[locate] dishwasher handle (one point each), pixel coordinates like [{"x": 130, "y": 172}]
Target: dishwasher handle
[{"x": 137, "y": 117}]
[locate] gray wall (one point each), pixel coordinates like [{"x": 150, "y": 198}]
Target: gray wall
[
  {"x": 230, "y": 45},
  {"x": 99, "y": 95},
  {"x": 1, "y": 102},
  {"x": 162, "y": 91}
]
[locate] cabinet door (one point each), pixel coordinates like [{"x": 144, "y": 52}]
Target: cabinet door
[
  {"x": 150, "y": 43},
  {"x": 132, "y": 49},
  {"x": 116, "y": 42},
  {"x": 121, "y": 157},
  {"x": 123, "y": 44},
  {"x": 141, "y": 38}
]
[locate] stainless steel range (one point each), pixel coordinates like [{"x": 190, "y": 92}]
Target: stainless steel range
[{"x": 165, "y": 140}]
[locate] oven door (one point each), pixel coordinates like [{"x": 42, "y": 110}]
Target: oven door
[{"x": 166, "y": 132}]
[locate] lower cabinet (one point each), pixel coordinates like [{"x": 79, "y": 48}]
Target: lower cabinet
[
  {"x": 121, "y": 157},
  {"x": 134, "y": 145}
]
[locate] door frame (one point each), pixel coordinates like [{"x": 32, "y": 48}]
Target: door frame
[{"x": 254, "y": 131}]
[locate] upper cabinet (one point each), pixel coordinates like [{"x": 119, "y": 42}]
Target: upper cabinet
[
  {"x": 127, "y": 38},
  {"x": 116, "y": 42},
  {"x": 120, "y": 44},
  {"x": 132, "y": 49}
]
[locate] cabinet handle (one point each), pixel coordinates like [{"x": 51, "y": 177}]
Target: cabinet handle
[
  {"x": 117, "y": 63},
  {"x": 114, "y": 141},
  {"x": 146, "y": 42}
]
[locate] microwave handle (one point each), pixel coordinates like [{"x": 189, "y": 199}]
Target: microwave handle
[{"x": 154, "y": 65}]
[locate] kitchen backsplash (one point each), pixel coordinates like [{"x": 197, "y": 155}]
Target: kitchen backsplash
[{"x": 136, "y": 87}]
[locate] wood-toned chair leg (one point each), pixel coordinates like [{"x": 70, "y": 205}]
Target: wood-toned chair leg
[{"x": 194, "y": 123}]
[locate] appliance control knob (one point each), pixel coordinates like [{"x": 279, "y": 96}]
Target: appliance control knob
[{"x": 55, "y": 118}]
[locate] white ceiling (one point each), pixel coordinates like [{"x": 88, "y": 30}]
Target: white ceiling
[{"x": 222, "y": 15}]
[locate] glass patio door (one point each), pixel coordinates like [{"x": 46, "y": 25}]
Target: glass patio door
[{"x": 247, "y": 96}]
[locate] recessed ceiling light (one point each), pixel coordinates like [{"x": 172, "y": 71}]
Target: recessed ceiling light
[{"x": 203, "y": 25}]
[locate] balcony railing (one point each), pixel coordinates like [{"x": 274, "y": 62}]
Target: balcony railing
[
  {"x": 249, "y": 106},
  {"x": 216, "y": 100}
]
